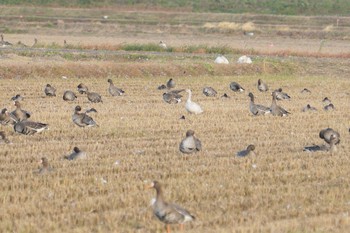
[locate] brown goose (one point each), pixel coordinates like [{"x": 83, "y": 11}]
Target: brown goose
[
  {"x": 170, "y": 84},
  {"x": 113, "y": 90},
  {"x": 326, "y": 135},
  {"x": 331, "y": 146},
  {"x": 4, "y": 43},
  {"x": 236, "y": 87},
  {"x": 280, "y": 95},
  {"x": 190, "y": 144},
  {"x": 275, "y": 109},
  {"x": 69, "y": 96},
  {"x": 5, "y": 118},
  {"x": 77, "y": 154},
  {"x": 209, "y": 91},
  {"x": 257, "y": 109},
  {"x": 82, "y": 88},
  {"x": 169, "y": 213},
  {"x": 29, "y": 127},
  {"x": 262, "y": 86},
  {"x": 18, "y": 114},
  {"x": 309, "y": 108},
  {"x": 249, "y": 151},
  {"x": 94, "y": 97},
  {"x": 45, "y": 166},
  {"x": 82, "y": 119},
  {"x": 50, "y": 90},
  {"x": 3, "y": 139},
  {"x": 329, "y": 107},
  {"x": 173, "y": 97}
]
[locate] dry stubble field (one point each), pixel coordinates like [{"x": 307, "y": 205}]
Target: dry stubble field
[{"x": 282, "y": 189}]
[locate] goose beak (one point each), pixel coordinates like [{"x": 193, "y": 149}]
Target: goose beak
[{"x": 149, "y": 186}]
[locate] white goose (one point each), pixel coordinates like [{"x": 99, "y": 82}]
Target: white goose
[{"x": 190, "y": 106}]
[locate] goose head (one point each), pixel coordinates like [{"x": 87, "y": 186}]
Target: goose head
[
  {"x": 110, "y": 81},
  {"x": 77, "y": 108},
  {"x": 250, "y": 148},
  {"x": 76, "y": 149},
  {"x": 48, "y": 85},
  {"x": 251, "y": 96},
  {"x": 189, "y": 133}
]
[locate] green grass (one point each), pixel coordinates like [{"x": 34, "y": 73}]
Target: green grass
[{"x": 287, "y": 7}]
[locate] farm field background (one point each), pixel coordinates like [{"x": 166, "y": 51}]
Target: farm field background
[{"x": 281, "y": 189}]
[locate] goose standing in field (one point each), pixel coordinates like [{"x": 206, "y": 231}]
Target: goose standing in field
[
  {"x": 3, "y": 139},
  {"x": 4, "y": 43},
  {"x": 327, "y": 133},
  {"x": 190, "y": 144},
  {"x": 190, "y": 106},
  {"x": 249, "y": 151},
  {"x": 162, "y": 45},
  {"x": 82, "y": 119},
  {"x": 168, "y": 213},
  {"x": 275, "y": 109},
  {"x": 82, "y": 88},
  {"x": 69, "y": 96},
  {"x": 257, "y": 109},
  {"x": 29, "y": 127},
  {"x": 172, "y": 97},
  {"x": 331, "y": 146},
  {"x": 18, "y": 114},
  {"x": 5, "y": 118},
  {"x": 45, "y": 166},
  {"x": 280, "y": 95},
  {"x": 262, "y": 86},
  {"x": 17, "y": 97},
  {"x": 50, "y": 90},
  {"x": 309, "y": 108},
  {"x": 234, "y": 86},
  {"x": 113, "y": 90},
  {"x": 77, "y": 154},
  {"x": 170, "y": 84},
  {"x": 209, "y": 91}
]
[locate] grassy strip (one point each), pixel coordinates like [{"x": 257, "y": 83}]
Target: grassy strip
[{"x": 287, "y": 7}]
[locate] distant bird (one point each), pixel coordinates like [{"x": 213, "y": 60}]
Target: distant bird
[
  {"x": 82, "y": 119},
  {"x": 4, "y": 43},
  {"x": 3, "y": 139},
  {"x": 331, "y": 146},
  {"x": 5, "y": 118},
  {"x": 82, "y": 88},
  {"x": 162, "y": 45},
  {"x": 35, "y": 42},
  {"x": 113, "y": 90},
  {"x": 262, "y": 86},
  {"x": 161, "y": 87},
  {"x": 305, "y": 90},
  {"x": 248, "y": 33},
  {"x": 225, "y": 96},
  {"x": 45, "y": 166},
  {"x": 190, "y": 106},
  {"x": 249, "y": 151},
  {"x": 309, "y": 108},
  {"x": 327, "y": 133},
  {"x": 50, "y": 90},
  {"x": 234, "y": 86},
  {"x": 182, "y": 117},
  {"x": 209, "y": 91},
  {"x": 221, "y": 60},
  {"x": 20, "y": 44},
  {"x": 77, "y": 154},
  {"x": 190, "y": 144},
  {"x": 173, "y": 97},
  {"x": 277, "y": 110},
  {"x": 170, "y": 84},
  {"x": 69, "y": 96},
  {"x": 168, "y": 213},
  {"x": 17, "y": 97},
  {"x": 18, "y": 114},
  {"x": 94, "y": 97},
  {"x": 244, "y": 60},
  {"x": 257, "y": 109},
  {"x": 329, "y": 107},
  {"x": 326, "y": 101},
  {"x": 29, "y": 127},
  {"x": 280, "y": 95}
]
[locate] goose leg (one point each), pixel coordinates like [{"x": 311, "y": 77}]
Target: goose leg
[
  {"x": 168, "y": 228},
  {"x": 181, "y": 227}
]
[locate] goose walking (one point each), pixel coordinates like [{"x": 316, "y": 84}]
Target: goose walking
[
  {"x": 50, "y": 90},
  {"x": 69, "y": 96},
  {"x": 190, "y": 106},
  {"x": 234, "y": 86},
  {"x": 262, "y": 86},
  {"x": 209, "y": 91},
  {"x": 257, "y": 109},
  {"x": 82, "y": 119},
  {"x": 29, "y": 127},
  {"x": 18, "y": 114},
  {"x": 173, "y": 97},
  {"x": 190, "y": 144},
  {"x": 275, "y": 109},
  {"x": 249, "y": 151},
  {"x": 113, "y": 90},
  {"x": 77, "y": 154},
  {"x": 169, "y": 213}
]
